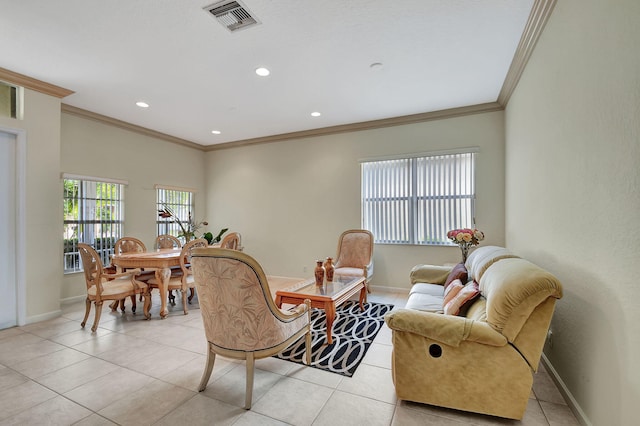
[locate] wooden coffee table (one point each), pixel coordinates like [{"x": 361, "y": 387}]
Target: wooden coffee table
[{"x": 327, "y": 296}]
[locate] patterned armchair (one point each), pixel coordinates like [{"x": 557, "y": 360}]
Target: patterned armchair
[
  {"x": 241, "y": 321},
  {"x": 355, "y": 255}
]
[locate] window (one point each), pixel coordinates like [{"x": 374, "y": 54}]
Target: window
[
  {"x": 93, "y": 214},
  {"x": 416, "y": 200},
  {"x": 180, "y": 201},
  {"x": 8, "y": 100}
]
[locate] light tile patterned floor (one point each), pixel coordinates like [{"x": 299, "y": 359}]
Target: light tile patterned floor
[{"x": 136, "y": 372}]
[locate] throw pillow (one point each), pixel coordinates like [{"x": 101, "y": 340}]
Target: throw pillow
[
  {"x": 460, "y": 303},
  {"x": 459, "y": 272},
  {"x": 451, "y": 291}
]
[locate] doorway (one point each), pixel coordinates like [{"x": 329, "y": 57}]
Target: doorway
[{"x": 12, "y": 286}]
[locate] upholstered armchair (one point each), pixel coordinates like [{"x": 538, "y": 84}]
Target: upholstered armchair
[
  {"x": 241, "y": 320},
  {"x": 354, "y": 257},
  {"x": 232, "y": 241},
  {"x": 103, "y": 286}
]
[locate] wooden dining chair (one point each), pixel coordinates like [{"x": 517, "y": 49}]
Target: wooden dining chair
[
  {"x": 232, "y": 241},
  {"x": 184, "y": 280},
  {"x": 167, "y": 241},
  {"x": 102, "y": 286},
  {"x": 129, "y": 245}
]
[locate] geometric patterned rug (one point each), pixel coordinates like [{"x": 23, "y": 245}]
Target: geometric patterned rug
[{"x": 353, "y": 333}]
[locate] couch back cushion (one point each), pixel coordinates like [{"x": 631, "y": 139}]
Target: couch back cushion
[
  {"x": 513, "y": 288},
  {"x": 482, "y": 258}
]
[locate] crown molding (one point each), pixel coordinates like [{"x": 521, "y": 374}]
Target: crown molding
[
  {"x": 68, "y": 109},
  {"x": 365, "y": 125},
  {"x": 538, "y": 18},
  {"x": 33, "y": 84}
]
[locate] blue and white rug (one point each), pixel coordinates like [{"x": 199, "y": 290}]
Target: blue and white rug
[{"x": 353, "y": 333}]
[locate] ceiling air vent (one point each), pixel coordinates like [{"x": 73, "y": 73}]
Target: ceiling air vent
[{"x": 233, "y": 15}]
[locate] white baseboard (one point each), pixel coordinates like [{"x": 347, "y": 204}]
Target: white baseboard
[
  {"x": 43, "y": 317},
  {"x": 383, "y": 289},
  {"x": 568, "y": 396},
  {"x": 73, "y": 299}
]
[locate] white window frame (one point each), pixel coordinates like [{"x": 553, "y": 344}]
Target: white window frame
[
  {"x": 180, "y": 200},
  {"x": 416, "y": 199},
  {"x": 89, "y": 225}
]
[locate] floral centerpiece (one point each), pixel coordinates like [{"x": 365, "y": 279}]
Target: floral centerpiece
[
  {"x": 188, "y": 229},
  {"x": 465, "y": 238}
]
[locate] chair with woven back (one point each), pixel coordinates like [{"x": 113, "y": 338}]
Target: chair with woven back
[
  {"x": 241, "y": 320},
  {"x": 167, "y": 241},
  {"x": 232, "y": 241},
  {"x": 354, "y": 256},
  {"x": 184, "y": 280},
  {"x": 129, "y": 245},
  {"x": 103, "y": 286}
]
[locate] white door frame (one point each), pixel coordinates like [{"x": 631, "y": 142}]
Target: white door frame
[{"x": 21, "y": 195}]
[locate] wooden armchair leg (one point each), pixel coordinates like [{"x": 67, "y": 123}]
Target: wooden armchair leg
[
  {"x": 86, "y": 312},
  {"x": 250, "y": 371},
  {"x": 211, "y": 359},
  {"x": 98, "y": 313},
  {"x": 133, "y": 303}
]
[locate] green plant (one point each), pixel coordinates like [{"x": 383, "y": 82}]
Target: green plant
[{"x": 218, "y": 237}]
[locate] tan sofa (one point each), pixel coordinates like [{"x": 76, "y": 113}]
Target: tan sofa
[{"x": 482, "y": 362}]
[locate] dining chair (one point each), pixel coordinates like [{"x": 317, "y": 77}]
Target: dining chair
[
  {"x": 184, "y": 280},
  {"x": 129, "y": 245},
  {"x": 167, "y": 241},
  {"x": 232, "y": 241},
  {"x": 354, "y": 256},
  {"x": 103, "y": 286},
  {"x": 241, "y": 320}
]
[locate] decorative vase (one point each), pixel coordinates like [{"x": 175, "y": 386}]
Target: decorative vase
[
  {"x": 319, "y": 272},
  {"x": 465, "y": 252},
  {"x": 329, "y": 269}
]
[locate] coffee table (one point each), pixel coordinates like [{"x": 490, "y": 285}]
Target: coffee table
[{"x": 327, "y": 296}]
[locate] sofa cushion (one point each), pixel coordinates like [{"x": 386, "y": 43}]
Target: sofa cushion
[
  {"x": 513, "y": 289},
  {"x": 424, "y": 302},
  {"x": 460, "y": 303},
  {"x": 430, "y": 289},
  {"x": 482, "y": 258},
  {"x": 459, "y": 272}
]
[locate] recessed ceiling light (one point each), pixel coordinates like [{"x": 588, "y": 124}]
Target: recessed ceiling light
[
  {"x": 262, "y": 72},
  {"x": 315, "y": 114},
  {"x": 216, "y": 132},
  {"x": 142, "y": 104},
  {"x": 376, "y": 65}
]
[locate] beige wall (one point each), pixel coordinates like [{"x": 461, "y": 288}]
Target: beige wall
[
  {"x": 96, "y": 149},
  {"x": 43, "y": 213},
  {"x": 572, "y": 196},
  {"x": 290, "y": 200}
]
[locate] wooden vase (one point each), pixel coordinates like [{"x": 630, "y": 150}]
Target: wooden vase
[
  {"x": 329, "y": 269},
  {"x": 319, "y": 272}
]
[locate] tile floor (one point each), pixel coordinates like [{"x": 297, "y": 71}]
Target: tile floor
[{"x": 137, "y": 372}]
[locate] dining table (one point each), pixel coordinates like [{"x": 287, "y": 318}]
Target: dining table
[{"x": 161, "y": 260}]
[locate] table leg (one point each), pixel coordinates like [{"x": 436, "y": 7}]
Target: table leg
[
  {"x": 279, "y": 301},
  {"x": 363, "y": 297},
  {"x": 330, "y": 310},
  {"x": 163, "y": 275}
]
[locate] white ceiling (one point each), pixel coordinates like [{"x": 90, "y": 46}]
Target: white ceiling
[{"x": 197, "y": 76}]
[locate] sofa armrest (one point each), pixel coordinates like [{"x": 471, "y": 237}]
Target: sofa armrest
[
  {"x": 429, "y": 274},
  {"x": 448, "y": 329}
]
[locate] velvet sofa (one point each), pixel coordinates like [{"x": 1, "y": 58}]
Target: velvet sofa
[{"x": 482, "y": 359}]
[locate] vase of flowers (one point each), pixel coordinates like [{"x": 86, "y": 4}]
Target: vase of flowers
[
  {"x": 188, "y": 229},
  {"x": 465, "y": 238}
]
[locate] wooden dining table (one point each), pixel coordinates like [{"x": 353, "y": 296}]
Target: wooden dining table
[{"x": 161, "y": 260}]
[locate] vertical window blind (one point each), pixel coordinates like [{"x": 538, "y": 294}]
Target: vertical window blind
[
  {"x": 417, "y": 200},
  {"x": 180, "y": 201},
  {"x": 93, "y": 214}
]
